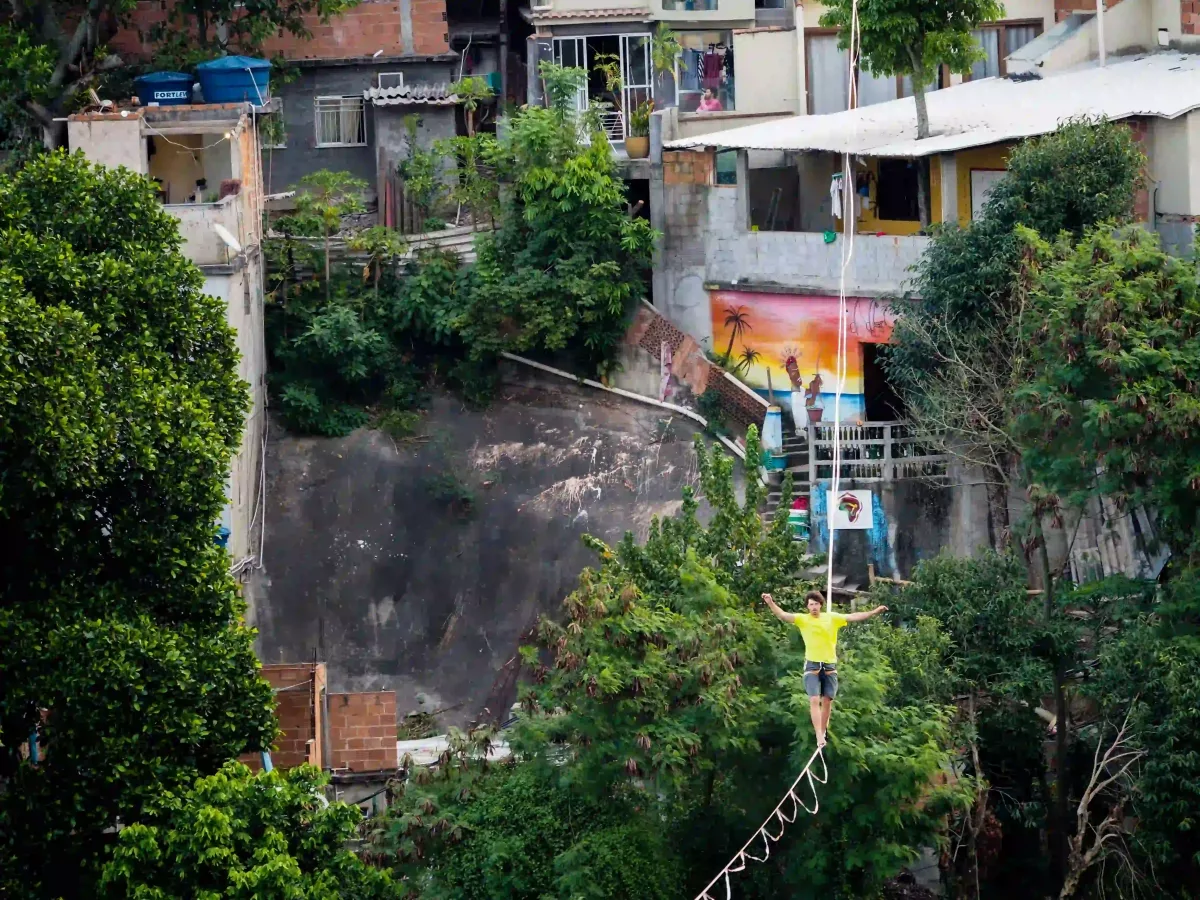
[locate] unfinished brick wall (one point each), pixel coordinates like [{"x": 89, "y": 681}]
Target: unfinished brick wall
[
  {"x": 298, "y": 706},
  {"x": 1189, "y": 16},
  {"x": 1141, "y": 200},
  {"x": 370, "y": 26},
  {"x": 691, "y": 367},
  {"x": 688, "y": 166},
  {"x": 1063, "y": 8},
  {"x": 362, "y": 731}
]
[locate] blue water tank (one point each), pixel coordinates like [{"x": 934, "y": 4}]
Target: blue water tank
[
  {"x": 235, "y": 79},
  {"x": 164, "y": 88}
]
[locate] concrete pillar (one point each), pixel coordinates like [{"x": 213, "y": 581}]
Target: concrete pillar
[{"x": 801, "y": 75}]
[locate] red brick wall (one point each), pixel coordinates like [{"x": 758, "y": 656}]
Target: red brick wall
[
  {"x": 1141, "y": 200},
  {"x": 298, "y": 689},
  {"x": 1189, "y": 16},
  {"x": 688, "y": 167},
  {"x": 650, "y": 331},
  {"x": 362, "y": 731},
  {"x": 359, "y": 32},
  {"x": 1063, "y": 8}
]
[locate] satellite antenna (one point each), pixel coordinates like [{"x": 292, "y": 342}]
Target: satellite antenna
[{"x": 227, "y": 237}]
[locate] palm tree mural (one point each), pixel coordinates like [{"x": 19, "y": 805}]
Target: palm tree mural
[
  {"x": 749, "y": 356},
  {"x": 737, "y": 319}
]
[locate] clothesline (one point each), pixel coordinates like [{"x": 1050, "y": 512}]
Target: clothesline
[{"x": 777, "y": 817}]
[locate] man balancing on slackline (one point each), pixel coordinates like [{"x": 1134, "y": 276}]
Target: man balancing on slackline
[{"x": 819, "y": 630}]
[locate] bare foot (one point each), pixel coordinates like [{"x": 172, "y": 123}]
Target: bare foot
[{"x": 820, "y": 741}]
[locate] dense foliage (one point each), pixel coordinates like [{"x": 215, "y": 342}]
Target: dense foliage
[
  {"x": 120, "y": 635},
  {"x": 666, "y": 718},
  {"x": 558, "y": 275},
  {"x": 239, "y": 836},
  {"x": 1113, "y": 404}
]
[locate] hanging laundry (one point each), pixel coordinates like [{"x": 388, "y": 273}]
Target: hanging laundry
[
  {"x": 713, "y": 64},
  {"x": 835, "y": 195}
]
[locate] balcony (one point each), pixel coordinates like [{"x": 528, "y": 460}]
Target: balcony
[{"x": 201, "y": 243}]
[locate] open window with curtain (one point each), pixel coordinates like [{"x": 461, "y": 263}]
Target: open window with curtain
[{"x": 998, "y": 40}]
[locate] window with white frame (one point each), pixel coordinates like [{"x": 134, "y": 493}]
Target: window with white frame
[
  {"x": 341, "y": 122},
  {"x": 704, "y": 71}
]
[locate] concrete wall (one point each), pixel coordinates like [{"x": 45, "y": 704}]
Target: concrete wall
[
  {"x": 282, "y": 169},
  {"x": 201, "y": 244},
  {"x": 242, "y": 292},
  {"x": 765, "y": 63},
  {"x": 913, "y": 521},
  {"x": 370, "y": 561},
  {"x": 110, "y": 140},
  {"x": 706, "y": 240}
]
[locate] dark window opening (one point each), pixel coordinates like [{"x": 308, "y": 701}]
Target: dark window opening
[
  {"x": 774, "y": 197},
  {"x": 881, "y": 401},
  {"x": 896, "y": 191},
  {"x": 726, "y": 167}
]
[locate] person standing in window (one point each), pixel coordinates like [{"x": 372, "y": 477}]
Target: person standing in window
[{"x": 709, "y": 102}]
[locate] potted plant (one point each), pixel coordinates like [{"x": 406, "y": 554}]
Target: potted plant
[{"x": 637, "y": 145}]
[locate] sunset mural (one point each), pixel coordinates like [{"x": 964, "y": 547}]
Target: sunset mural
[{"x": 796, "y": 337}]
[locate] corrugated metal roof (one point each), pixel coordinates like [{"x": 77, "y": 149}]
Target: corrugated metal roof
[
  {"x": 622, "y": 13},
  {"x": 412, "y": 95},
  {"x": 983, "y": 112}
]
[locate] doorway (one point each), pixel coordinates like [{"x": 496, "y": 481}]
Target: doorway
[{"x": 881, "y": 401}]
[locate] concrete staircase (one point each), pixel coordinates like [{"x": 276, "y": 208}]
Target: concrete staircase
[{"x": 796, "y": 450}]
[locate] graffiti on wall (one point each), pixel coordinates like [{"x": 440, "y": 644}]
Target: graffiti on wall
[{"x": 794, "y": 337}]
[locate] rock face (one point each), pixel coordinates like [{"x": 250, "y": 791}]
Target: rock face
[{"x": 416, "y": 565}]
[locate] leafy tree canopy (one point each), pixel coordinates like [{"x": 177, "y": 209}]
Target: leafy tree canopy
[
  {"x": 120, "y": 631},
  {"x": 235, "y": 835}
]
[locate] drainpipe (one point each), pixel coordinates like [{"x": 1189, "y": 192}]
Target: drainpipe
[
  {"x": 266, "y": 761},
  {"x": 1100, "y": 28}
]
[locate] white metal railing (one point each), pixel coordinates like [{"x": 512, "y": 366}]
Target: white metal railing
[
  {"x": 613, "y": 123},
  {"x": 872, "y": 451}
]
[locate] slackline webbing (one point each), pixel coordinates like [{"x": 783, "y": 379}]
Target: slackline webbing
[{"x": 777, "y": 818}]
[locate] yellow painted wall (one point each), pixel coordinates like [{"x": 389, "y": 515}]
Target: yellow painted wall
[
  {"x": 869, "y": 224},
  {"x": 177, "y": 161},
  {"x": 994, "y": 156}
]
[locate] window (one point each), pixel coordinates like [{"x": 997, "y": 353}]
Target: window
[
  {"x": 998, "y": 41},
  {"x": 896, "y": 191},
  {"x": 341, "y": 122},
  {"x": 704, "y": 71},
  {"x": 690, "y": 5},
  {"x": 829, "y": 78},
  {"x": 726, "y": 168}
]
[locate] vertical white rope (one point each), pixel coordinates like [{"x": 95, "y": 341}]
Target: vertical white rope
[{"x": 849, "y": 227}]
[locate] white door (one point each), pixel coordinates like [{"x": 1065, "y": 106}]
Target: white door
[
  {"x": 571, "y": 52},
  {"x": 637, "y": 76},
  {"x": 982, "y": 182}
]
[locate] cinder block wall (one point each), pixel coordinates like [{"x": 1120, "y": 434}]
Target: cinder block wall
[
  {"x": 362, "y": 731},
  {"x": 298, "y": 688}
]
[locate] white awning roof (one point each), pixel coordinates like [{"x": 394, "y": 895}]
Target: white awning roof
[{"x": 984, "y": 112}]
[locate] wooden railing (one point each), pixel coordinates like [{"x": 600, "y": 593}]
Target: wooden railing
[{"x": 872, "y": 451}]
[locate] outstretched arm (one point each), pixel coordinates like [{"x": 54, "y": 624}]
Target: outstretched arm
[
  {"x": 779, "y": 613},
  {"x": 863, "y": 616}
]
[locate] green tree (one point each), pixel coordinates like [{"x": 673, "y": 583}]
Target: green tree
[
  {"x": 382, "y": 246},
  {"x": 1113, "y": 398},
  {"x": 241, "y": 836},
  {"x": 26, "y": 69},
  {"x": 914, "y": 38},
  {"x": 328, "y": 197},
  {"x": 121, "y": 640},
  {"x": 566, "y": 262},
  {"x": 422, "y": 171},
  {"x": 197, "y": 30}
]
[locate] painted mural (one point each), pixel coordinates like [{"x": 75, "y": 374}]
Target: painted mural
[{"x": 795, "y": 338}]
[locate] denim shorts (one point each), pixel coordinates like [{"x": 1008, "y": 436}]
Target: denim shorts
[{"x": 820, "y": 679}]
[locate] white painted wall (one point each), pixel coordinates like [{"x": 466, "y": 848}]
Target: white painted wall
[
  {"x": 765, "y": 70},
  {"x": 110, "y": 141}
]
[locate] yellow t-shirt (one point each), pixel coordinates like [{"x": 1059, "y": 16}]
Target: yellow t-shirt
[{"x": 820, "y": 635}]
